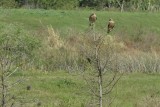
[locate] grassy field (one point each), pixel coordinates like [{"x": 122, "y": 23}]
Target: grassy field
[
  {"x": 59, "y": 89},
  {"x": 62, "y": 89}
]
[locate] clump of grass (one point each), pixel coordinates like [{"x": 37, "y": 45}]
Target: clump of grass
[
  {"x": 137, "y": 61},
  {"x": 54, "y": 39},
  {"x": 149, "y": 101}
]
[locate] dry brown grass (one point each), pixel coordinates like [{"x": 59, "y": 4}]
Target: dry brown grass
[
  {"x": 53, "y": 39},
  {"x": 72, "y": 51}
]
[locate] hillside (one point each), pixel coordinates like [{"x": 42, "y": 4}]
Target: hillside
[{"x": 78, "y": 20}]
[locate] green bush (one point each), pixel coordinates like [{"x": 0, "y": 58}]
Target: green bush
[
  {"x": 8, "y": 3},
  {"x": 66, "y": 4},
  {"x": 58, "y": 4},
  {"x": 17, "y": 45}
]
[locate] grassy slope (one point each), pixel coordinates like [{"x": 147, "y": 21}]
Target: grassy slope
[
  {"x": 63, "y": 20},
  {"x": 65, "y": 90}
]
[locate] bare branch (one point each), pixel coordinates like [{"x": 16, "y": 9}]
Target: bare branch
[
  {"x": 113, "y": 85},
  {"x": 11, "y": 73},
  {"x": 91, "y": 88}
]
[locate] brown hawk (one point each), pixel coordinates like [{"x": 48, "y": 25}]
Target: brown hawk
[
  {"x": 92, "y": 19},
  {"x": 111, "y": 25}
]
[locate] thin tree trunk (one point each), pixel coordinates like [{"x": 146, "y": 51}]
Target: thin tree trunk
[
  {"x": 99, "y": 69},
  {"x": 100, "y": 89},
  {"x": 149, "y": 5},
  {"x": 109, "y": 4},
  {"x": 3, "y": 90},
  {"x": 122, "y": 6}
]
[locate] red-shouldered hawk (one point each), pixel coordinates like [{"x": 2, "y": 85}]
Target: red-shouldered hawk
[
  {"x": 111, "y": 25},
  {"x": 92, "y": 19}
]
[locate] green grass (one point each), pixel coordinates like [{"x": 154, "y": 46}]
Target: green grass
[
  {"x": 60, "y": 89},
  {"x": 126, "y": 23}
]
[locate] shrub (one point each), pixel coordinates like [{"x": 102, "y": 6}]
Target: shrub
[
  {"x": 8, "y": 3},
  {"x": 66, "y": 4},
  {"x": 58, "y": 4},
  {"x": 17, "y": 44}
]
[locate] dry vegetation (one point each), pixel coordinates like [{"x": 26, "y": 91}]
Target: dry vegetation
[{"x": 68, "y": 53}]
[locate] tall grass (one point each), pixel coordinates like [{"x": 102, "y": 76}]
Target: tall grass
[{"x": 68, "y": 53}]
